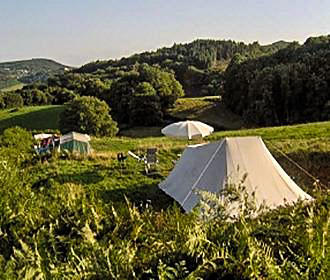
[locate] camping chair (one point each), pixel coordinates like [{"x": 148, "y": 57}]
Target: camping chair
[{"x": 150, "y": 160}]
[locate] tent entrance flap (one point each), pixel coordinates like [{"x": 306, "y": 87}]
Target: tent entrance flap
[
  {"x": 205, "y": 177},
  {"x": 197, "y": 169}
]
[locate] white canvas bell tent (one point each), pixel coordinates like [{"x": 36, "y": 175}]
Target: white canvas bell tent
[{"x": 209, "y": 166}]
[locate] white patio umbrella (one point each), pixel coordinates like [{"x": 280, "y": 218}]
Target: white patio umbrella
[{"x": 187, "y": 129}]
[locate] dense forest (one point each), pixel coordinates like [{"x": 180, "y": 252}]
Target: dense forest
[
  {"x": 202, "y": 54},
  {"x": 281, "y": 83},
  {"x": 198, "y": 65},
  {"x": 289, "y": 86},
  {"x": 139, "y": 95}
]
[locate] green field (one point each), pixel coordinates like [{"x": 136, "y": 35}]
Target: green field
[
  {"x": 33, "y": 118},
  {"x": 303, "y": 143},
  {"x": 297, "y": 141},
  {"x": 7, "y": 84},
  {"x": 206, "y": 109}
]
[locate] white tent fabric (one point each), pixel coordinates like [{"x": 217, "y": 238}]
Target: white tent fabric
[
  {"x": 210, "y": 166},
  {"x": 74, "y": 136},
  {"x": 187, "y": 129}
]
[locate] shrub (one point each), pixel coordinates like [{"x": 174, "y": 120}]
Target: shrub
[
  {"x": 34, "y": 96},
  {"x": 146, "y": 92},
  {"x": 61, "y": 95},
  {"x": 88, "y": 115},
  {"x": 16, "y": 137},
  {"x": 11, "y": 100},
  {"x": 16, "y": 144},
  {"x": 144, "y": 106},
  {"x": 2, "y": 102}
]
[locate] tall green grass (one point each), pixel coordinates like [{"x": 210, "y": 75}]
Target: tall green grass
[{"x": 61, "y": 229}]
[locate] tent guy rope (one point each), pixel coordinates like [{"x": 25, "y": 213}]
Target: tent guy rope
[{"x": 316, "y": 180}]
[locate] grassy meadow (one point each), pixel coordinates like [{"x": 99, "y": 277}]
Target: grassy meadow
[
  {"x": 206, "y": 109},
  {"x": 103, "y": 177},
  {"x": 307, "y": 144},
  {"x": 91, "y": 217},
  {"x": 32, "y": 118}
]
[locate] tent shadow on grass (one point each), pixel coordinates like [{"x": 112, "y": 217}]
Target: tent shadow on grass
[
  {"x": 138, "y": 195},
  {"x": 87, "y": 177}
]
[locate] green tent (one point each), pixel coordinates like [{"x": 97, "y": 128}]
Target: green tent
[{"x": 75, "y": 142}]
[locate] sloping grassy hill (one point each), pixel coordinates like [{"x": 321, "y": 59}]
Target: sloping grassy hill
[
  {"x": 307, "y": 144},
  {"x": 34, "y": 117},
  {"x": 35, "y": 64},
  {"x": 8, "y": 83},
  {"x": 206, "y": 109}
]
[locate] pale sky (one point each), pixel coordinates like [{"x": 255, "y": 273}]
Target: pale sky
[{"x": 75, "y": 32}]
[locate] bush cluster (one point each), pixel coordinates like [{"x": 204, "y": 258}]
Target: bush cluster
[
  {"x": 88, "y": 115},
  {"x": 10, "y": 100},
  {"x": 140, "y": 94}
]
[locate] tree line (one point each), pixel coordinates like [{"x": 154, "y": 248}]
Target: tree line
[
  {"x": 198, "y": 65},
  {"x": 289, "y": 86},
  {"x": 282, "y": 83},
  {"x": 137, "y": 95}
]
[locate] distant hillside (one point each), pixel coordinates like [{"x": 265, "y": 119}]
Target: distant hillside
[
  {"x": 28, "y": 71},
  {"x": 274, "y": 47},
  {"x": 197, "y": 65},
  {"x": 275, "y": 84},
  {"x": 202, "y": 54}
]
